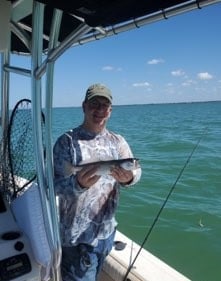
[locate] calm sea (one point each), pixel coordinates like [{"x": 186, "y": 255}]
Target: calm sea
[{"x": 188, "y": 232}]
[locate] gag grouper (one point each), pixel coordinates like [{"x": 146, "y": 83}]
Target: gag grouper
[{"x": 104, "y": 167}]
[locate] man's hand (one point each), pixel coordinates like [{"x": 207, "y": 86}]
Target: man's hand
[
  {"x": 87, "y": 176},
  {"x": 121, "y": 175}
]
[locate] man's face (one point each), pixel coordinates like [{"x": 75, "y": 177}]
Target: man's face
[{"x": 97, "y": 111}]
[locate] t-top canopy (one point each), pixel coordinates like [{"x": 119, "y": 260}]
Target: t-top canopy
[{"x": 98, "y": 14}]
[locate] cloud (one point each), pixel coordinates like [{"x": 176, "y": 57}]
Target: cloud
[
  {"x": 107, "y": 68},
  {"x": 188, "y": 83},
  {"x": 155, "y": 61},
  {"x": 111, "y": 68},
  {"x": 169, "y": 84},
  {"x": 204, "y": 76},
  {"x": 177, "y": 72},
  {"x": 141, "y": 84}
]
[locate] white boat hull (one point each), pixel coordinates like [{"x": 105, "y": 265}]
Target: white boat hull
[{"x": 146, "y": 268}]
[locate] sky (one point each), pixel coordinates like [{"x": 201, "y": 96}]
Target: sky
[{"x": 173, "y": 60}]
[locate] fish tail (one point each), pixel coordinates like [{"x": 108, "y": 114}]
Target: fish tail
[{"x": 69, "y": 169}]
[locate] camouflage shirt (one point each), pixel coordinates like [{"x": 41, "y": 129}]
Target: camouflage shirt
[{"x": 87, "y": 215}]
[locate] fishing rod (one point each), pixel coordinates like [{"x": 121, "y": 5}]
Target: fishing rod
[{"x": 164, "y": 203}]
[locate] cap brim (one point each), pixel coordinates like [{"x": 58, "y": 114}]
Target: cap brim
[{"x": 99, "y": 95}]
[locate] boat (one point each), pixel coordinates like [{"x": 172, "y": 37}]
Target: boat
[{"x": 44, "y": 30}]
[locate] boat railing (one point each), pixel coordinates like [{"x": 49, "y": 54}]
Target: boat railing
[{"x": 41, "y": 75}]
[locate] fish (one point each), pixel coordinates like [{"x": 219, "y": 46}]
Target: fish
[{"x": 104, "y": 167}]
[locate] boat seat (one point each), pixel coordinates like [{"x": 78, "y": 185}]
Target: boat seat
[{"x": 28, "y": 213}]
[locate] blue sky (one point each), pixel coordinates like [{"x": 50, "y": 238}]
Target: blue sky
[{"x": 174, "y": 60}]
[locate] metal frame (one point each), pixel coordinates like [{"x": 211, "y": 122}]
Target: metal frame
[{"x": 39, "y": 68}]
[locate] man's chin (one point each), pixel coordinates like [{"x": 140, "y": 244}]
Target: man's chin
[{"x": 99, "y": 120}]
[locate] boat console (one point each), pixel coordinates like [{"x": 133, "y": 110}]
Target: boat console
[{"x": 16, "y": 258}]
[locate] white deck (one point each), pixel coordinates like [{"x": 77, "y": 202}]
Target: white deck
[{"x": 146, "y": 268}]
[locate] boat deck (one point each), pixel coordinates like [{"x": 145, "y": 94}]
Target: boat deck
[{"x": 146, "y": 268}]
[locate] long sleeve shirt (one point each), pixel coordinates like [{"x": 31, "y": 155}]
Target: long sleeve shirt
[{"x": 88, "y": 214}]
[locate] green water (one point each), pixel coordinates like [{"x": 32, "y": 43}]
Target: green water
[{"x": 187, "y": 233}]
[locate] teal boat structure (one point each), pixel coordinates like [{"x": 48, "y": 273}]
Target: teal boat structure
[{"x": 44, "y": 30}]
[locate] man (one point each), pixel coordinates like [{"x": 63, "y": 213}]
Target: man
[{"x": 87, "y": 201}]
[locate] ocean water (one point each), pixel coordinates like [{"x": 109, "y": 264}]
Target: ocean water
[{"x": 179, "y": 147}]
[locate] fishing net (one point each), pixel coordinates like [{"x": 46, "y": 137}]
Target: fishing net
[{"x": 18, "y": 158}]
